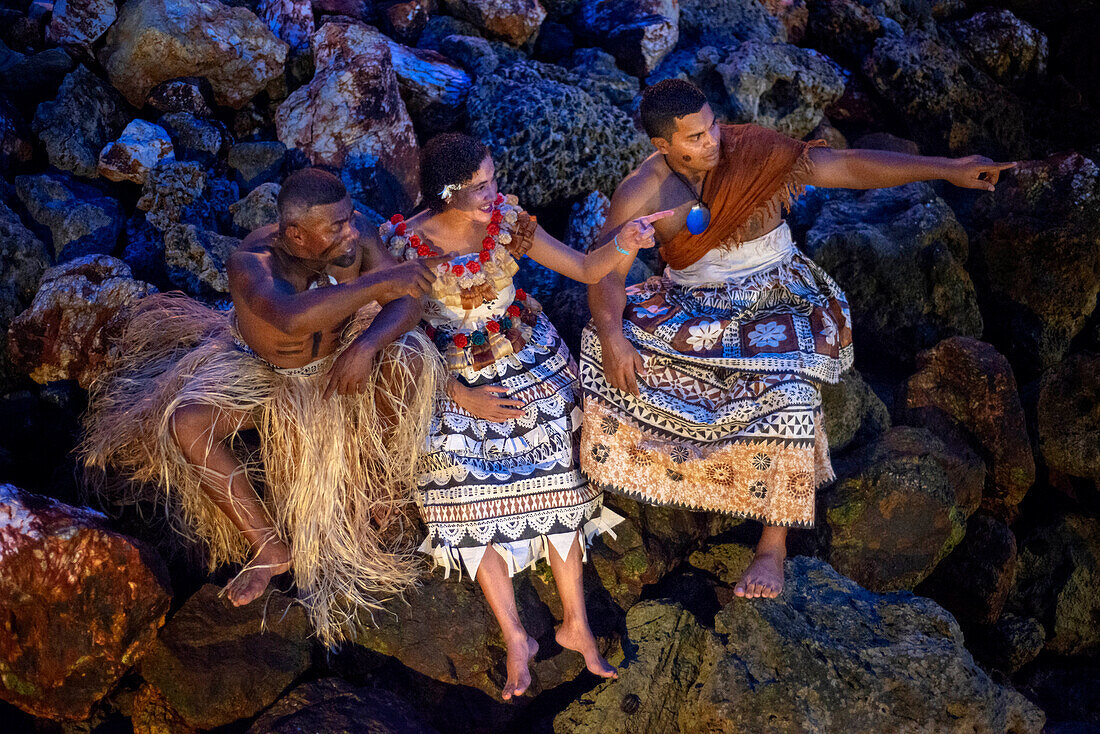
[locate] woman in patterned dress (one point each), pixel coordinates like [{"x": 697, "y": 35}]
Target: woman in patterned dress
[{"x": 500, "y": 485}]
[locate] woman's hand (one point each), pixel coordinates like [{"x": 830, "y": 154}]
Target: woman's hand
[
  {"x": 486, "y": 403},
  {"x": 637, "y": 234}
]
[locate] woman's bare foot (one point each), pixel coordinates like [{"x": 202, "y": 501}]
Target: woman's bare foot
[
  {"x": 272, "y": 560},
  {"x": 580, "y": 639},
  {"x": 520, "y": 655},
  {"x": 763, "y": 577}
]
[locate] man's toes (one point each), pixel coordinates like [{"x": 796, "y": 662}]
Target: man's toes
[{"x": 740, "y": 589}]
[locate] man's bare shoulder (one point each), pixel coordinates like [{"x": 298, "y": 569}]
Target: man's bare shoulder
[
  {"x": 644, "y": 182},
  {"x": 260, "y": 239},
  {"x": 247, "y": 265}
]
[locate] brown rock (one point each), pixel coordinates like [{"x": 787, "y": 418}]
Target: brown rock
[
  {"x": 974, "y": 581},
  {"x": 152, "y": 714},
  {"x": 638, "y": 33},
  {"x": 964, "y": 387},
  {"x": 62, "y": 335},
  {"x": 142, "y": 146},
  {"x": 156, "y": 40},
  {"x": 187, "y": 94},
  {"x": 793, "y": 14},
  {"x": 215, "y": 663},
  {"x": 80, "y": 22},
  {"x": 333, "y": 705},
  {"x": 900, "y": 507},
  {"x": 1069, "y": 417},
  {"x": 405, "y": 19},
  {"x": 514, "y": 21},
  {"x": 80, "y": 604},
  {"x": 352, "y": 107}
]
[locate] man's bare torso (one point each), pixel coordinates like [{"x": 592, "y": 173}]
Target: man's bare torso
[
  {"x": 657, "y": 188},
  {"x": 274, "y": 346}
]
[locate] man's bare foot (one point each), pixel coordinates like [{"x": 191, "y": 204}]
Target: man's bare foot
[
  {"x": 763, "y": 577},
  {"x": 520, "y": 655},
  {"x": 580, "y": 639},
  {"x": 272, "y": 560}
]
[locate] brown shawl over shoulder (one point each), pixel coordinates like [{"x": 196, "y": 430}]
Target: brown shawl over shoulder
[{"x": 758, "y": 171}]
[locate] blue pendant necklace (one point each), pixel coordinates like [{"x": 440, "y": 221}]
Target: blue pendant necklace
[{"x": 698, "y": 218}]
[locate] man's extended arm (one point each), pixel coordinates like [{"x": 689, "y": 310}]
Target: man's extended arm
[{"x": 874, "y": 169}]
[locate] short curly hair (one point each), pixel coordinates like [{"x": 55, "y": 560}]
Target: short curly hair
[
  {"x": 448, "y": 159},
  {"x": 666, "y": 101}
]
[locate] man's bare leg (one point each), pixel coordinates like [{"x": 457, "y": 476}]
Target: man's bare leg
[
  {"x": 574, "y": 633},
  {"x": 201, "y": 431},
  {"x": 764, "y": 576},
  {"x": 493, "y": 577}
]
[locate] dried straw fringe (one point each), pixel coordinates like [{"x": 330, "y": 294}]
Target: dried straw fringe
[{"x": 337, "y": 474}]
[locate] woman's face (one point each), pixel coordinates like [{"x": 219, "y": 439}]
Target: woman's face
[{"x": 476, "y": 197}]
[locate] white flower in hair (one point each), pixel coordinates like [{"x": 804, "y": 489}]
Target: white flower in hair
[{"x": 448, "y": 191}]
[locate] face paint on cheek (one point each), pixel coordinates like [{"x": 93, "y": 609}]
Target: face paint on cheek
[
  {"x": 686, "y": 158},
  {"x": 345, "y": 261}
]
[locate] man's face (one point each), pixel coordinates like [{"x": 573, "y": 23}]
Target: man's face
[
  {"x": 325, "y": 233},
  {"x": 477, "y": 196},
  {"x": 694, "y": 144}
]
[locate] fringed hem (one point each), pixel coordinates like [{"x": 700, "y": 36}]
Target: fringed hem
[
  {"x": 520, "y": 555},
  {"x": 744, "y": 515}
]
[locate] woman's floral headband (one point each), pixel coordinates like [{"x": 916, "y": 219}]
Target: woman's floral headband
[{"x": 449, "y": 191}]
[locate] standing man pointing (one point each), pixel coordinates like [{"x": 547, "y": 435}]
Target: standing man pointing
[{"x": 702, "y": 386}]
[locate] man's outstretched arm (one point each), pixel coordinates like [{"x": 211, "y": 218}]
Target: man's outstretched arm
[{"x": 875, "y": 169}]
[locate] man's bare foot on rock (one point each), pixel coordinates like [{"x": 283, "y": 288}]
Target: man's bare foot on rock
[
  {"x": 520, "y": 655},
  {"x": 272, "y": 560},
  {"x": 580, "y": 639},
  {"x": 763, "y": 577}
]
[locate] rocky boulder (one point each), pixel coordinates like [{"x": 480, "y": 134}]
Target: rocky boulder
[
  {"x": 353, "y": 107},
  {"x": 290, "y": 20},
  {"x": 254, "y": 163},
  {"x": 973, "y": 582},
  {"x": 780, "y": 86},
  {"x": 156, "y": 40},
  {"x": 81, "y": 604},
  {"x": 1035, "y": 259},
  {"x": 1008, "y": 644},
  {"x": 722, "y": 23},
  {"x": 258, "y": 209},
  {"x": 333, "y": 705},
  {"x": 33, "y": 77},
  {"x": 514, "y": 21},
  {"x": 965, "y": 388},
  {"x": 899, "y": 255},
  {"x": 196, "y": 259},
  {"x": 638, "y": 33},
  {"x": 826, "y": 655},
  {"x": 86, "y": 115},
  {"x": 899, "y": 507},
  {"x": 141, "y": 147},
  {"x": 81, "y": 219},
  {"x": 853, "y": 412},
  {"x": 434, "y": 89},
  {"x": 194, "y": 138},
  {"x": 25, "y": 259},
  {"x": 215, "y": 663},
  {"x": 80, "y": 23},
  {"x": 949, "y": 105},
  {"x": 61, "y": 336},
  {"x": 551, "y": 140},
  {"x": 1069, "y": 417},
  {"x": 186, "y": 94},
  {"x": 1058, "y": 583},
  {"x": 16, "y": 141},
  {"x": 1002, "y": 45}
]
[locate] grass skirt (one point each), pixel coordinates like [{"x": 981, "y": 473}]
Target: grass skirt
[{"x": 336, "y": 475}]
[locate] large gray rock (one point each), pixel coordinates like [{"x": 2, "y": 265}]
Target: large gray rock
[
  {"x": 899, "y": 255},
  {"x": 780, "y": 86},
  {"x": 140, "y": 148},
  {"x": 513, "y": 21},
  {"x": 825, "y": 656},
  {"x": 216, "y": 663},
  {"x": 1058, "y": 583},
  {"x": 899, "y": 507},
  {"x": 194, "y": 138},
  {"x": 25, "y": 259},
  {"x": 551, "y": 140},
  {"x": 638, "y": 33},
  {"x": 1069, "y": 417},
  {"x": 257, "y": 209},
  {"x": 965, "y": 390},
  {"x": 353, "y": 107},
  {"x": 949, "y": 105},
  {"x": 196, "y": 259},
  {"x": 1005, "y": 47},
  {"x": 86, "y": 115},
  {"x": 80, "y": 604},
  {"x": 1035, "y": 260},
  {"x": 853, "y": 412},
  {"x": 156, "y": 40},
  {"x": 727, "y": 23},
  {"x": 81, "y": 219},
  {"x": 33, "y": 77}
]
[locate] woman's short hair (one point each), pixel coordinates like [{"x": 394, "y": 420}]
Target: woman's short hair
[{"x": 448, "y": 159}]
